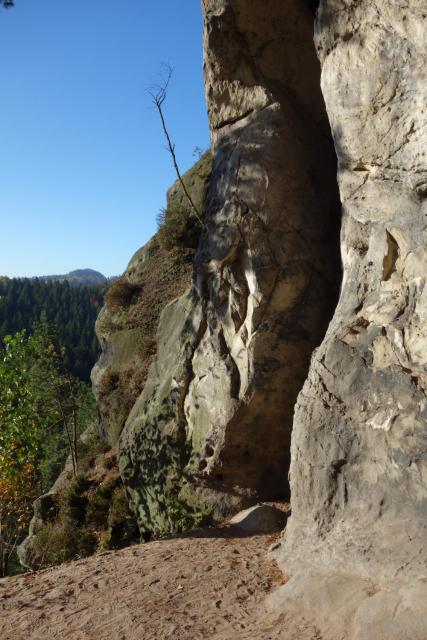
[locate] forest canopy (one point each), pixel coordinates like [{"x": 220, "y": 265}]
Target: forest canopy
[{"x": 71, "y": 311}]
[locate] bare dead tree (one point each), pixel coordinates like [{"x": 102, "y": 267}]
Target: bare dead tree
[{"x": 158, "y": 95}]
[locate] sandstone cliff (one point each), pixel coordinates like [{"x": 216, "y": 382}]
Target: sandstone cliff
[
  {"x": 127, "y": 325},
  {"x": 211, "y": 430},
  {"x": 357, "y": 538},
  {"x": 265, "y": 277},
  {"x": 90, "y": 512}
]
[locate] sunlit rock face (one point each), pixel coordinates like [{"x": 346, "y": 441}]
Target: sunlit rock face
[
  {"x": 267, "y": 270},
  {"x": 359, "y": 446},
  {"x": 211, "y": 431}
]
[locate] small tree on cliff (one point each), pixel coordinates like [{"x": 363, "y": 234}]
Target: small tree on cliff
[{"x": 158, "y": 96}]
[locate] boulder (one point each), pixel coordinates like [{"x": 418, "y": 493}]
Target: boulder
[{"x": 259, "y": 519}]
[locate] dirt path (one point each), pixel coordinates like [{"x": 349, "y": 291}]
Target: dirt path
[{"x": 210, "y": 584}]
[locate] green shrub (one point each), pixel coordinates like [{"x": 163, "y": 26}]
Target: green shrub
[
  {"x": 73, "y": 502},
  {"x": 178, "y": 226},
  {"x": 128, "y": 380},
  {"x": 122, "y": 526},
  {"x": 109, "y": 382},
  {"x": 88, "y": 451},
  {"x": 98, "y": 507},
  {"x": 145, "y": 346},
  {"x": 60, "y": 542}
]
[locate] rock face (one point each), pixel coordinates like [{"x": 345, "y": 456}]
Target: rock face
[
  {"x": 126, "y": 328},
  {"x": 206, "y": 351},
  {"x": 266, "y": 271},
  {"x": 211, "y": 430},
  {"x": 357, "y": 537},
  {"x": 121, "y": 360}
]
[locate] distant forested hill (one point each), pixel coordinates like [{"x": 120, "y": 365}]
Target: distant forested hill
[
  {"x": 87, "y": 277},
  {"x": 72, "y": 310}
]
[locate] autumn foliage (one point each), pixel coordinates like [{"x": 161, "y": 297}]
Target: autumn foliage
[
  {"x": 42, "y": 411},
  {"x": 17, "y": 493}
]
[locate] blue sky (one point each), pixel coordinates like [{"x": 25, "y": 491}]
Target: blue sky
[{"x": 83, "y": 167}]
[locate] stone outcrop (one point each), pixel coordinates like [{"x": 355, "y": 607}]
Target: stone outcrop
[
  {"x": 45, "y": 510},
  {"x": 267, "y": 270},
  {"x": 126, "y": 328},
  {"x": 356, "y": 543},
  {"x": 120, "y": 352},
  {"x": 211, "y": 431}
]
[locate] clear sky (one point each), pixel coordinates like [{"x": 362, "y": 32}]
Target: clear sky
[{"x": 83, "y": 166}]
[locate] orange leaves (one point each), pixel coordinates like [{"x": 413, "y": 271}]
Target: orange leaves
[{"x": 17, "y": 496}]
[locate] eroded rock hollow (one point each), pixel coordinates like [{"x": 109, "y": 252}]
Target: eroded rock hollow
[
  {"x": 211, "y": 430},
  {"x": 356, "y": 541}
]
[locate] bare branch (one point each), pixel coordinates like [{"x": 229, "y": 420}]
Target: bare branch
[{"x": 158, "y": 96}]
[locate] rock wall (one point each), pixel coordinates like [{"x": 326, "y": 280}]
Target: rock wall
[
  {"x": 211, "y": 430},
  {"x": 205, "y": 352},
  {"x": 267, "y": 270},
  {"x": 127, "y": 325},
  {"x": 356, "y": 541}
]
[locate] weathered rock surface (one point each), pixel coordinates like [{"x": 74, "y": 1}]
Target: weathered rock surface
[
  {"x": 120, "y": 350},
  {"x": 127, "y": 325},
  {"x": 356, "y": 542},
  {"x": 211, "y": 430},
  {"x": 266, "y": 270},
  {"x": 126, "y": 329}
]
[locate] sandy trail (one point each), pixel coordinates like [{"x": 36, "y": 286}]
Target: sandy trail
[{"x": 209, "y": 584}]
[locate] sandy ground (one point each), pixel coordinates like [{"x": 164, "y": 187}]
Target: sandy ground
[{"x": 208, "y": 584}]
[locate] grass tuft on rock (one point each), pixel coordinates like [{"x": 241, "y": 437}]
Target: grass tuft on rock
[{"x": 121, "y": 294}]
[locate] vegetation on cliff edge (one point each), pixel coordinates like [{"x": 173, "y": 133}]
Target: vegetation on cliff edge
[{"x": 43, "y": 410}]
